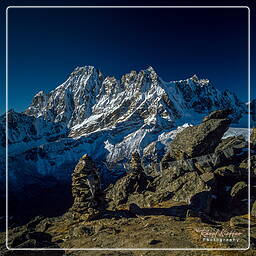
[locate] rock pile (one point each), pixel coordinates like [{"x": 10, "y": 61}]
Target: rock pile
[
  {"x": 86, "y": 189},
  {"x": 135, "y": 164}
]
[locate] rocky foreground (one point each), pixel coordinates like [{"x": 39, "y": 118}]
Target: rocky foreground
[{"x": 195, "y": 197}]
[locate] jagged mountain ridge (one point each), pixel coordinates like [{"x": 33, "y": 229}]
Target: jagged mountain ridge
[
  {"x": 87, "y": 98},
  {"x": 106, "y": 118}
]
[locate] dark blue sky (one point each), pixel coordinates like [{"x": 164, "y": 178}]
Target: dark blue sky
[{"x": 45, "y": 45}]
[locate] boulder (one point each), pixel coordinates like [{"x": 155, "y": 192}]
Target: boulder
[
  {"x": 244, "y": 166},
  {"x": 204, "y": 164},
  {"x": 202, "y": 139},
  {"x": 239, "y": 198},
  {"x": 182, "y": 186},
  {"x": 227, "y": 171},
  {"x": 230, "y": 150},
  {"x": 253, "y": 138},
  {"x": 253, "y": 210},
  {"x": 239, "y": 190}
]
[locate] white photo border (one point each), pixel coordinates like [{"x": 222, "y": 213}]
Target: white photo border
[{"x": 130, "y": 249}]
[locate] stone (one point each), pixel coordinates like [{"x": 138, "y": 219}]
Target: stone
[
  {"x": 253, "y": 210},
  {"x": 244, "y": 166},
  {"x": 208, "y": 178},
  {"x": 199, "y": 140},
  {"x": 238, "y": 221},
  {"x": 184, "y": 188},
  {"x": 253, "y": 138},
  {"x": 81, "y": 231},
  {"x": 230, "y": 170},
  {"x": 204, "y": 164},
  {"x": 32, "y": 240},
  {"x": 230, "y": 150},
  {"x": 43, "y": 225},
  {"x": 238, "y": 203},
  {"x": 239, "y": 190},
  {"x": 135, "y": 181}
]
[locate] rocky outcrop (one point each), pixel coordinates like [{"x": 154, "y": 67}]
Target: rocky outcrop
[
  {"x": 86, "y": 189},
  {"x": 200, "y": 140},
  {"x": 201, "y": 169}
]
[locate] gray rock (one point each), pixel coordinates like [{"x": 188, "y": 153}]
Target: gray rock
[
  {"x": 253, "y": 210},
  {"x": 244, "y": 166},
  {"x": 199, "y": 140}
]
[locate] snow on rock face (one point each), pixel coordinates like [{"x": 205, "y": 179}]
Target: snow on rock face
[{"x": 107, "y": 119}]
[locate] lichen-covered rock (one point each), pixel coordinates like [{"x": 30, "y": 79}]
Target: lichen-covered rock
[
  {"x": 244, "y": 166},
  {"x": 184, "y": 186},
  {"x": 200, "y": 140},
  {"x": 86, "y": 188},
  {"x": 229, "y": 150}
]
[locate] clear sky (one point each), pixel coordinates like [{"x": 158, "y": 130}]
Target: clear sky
[{"x": 45, "y": 45}]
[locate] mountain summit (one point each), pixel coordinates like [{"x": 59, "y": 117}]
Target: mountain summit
[{"x": 87, "y": 98}]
